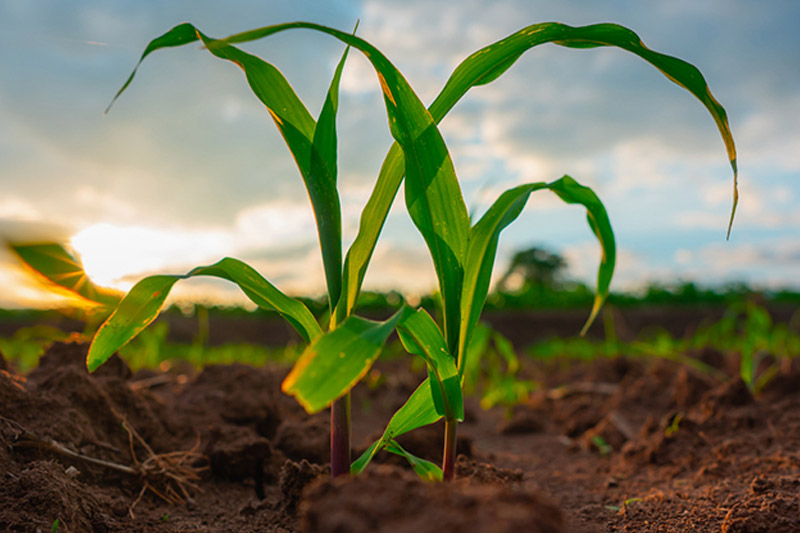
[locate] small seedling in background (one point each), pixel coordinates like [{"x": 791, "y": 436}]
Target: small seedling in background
[
  {"x": 625, "y": 504},
  {"x": 491, "y": 369},
  {"x": 602, "y": 446},
  {"x": 674, "y": 425}
]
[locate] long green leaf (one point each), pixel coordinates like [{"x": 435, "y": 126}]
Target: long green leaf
[
  {"x": 144, "y": 301},
  {"x": 334, "y": 362},
  {"x": 421, "y": 336},
  {"x": 418, "y": 411},
  {"x": 56, "y": 265},
  {"x": 425, "y": 469},
  {"x": 323, "y": 173},
  {"x": 486, "y": 232},
  {"x": 488, "y": 63},
  {"x": 138, "y": 309}
]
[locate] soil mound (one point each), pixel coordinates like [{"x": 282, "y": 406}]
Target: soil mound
[{"x": 614, "y": 445}]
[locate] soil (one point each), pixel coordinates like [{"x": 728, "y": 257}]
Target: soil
[{"x": 612, "y": 445}]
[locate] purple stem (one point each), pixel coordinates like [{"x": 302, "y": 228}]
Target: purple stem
[
  {"x": 449, "y": 459},
  {"x": 340, "y": 436}
]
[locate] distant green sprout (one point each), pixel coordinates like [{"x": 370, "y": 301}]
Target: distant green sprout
[
  {"x": 748, "y": 329},
  {"x": 491, "y": 367},
  {"x": 674, "y": 425},
  {"x": 602, "y": 446}
]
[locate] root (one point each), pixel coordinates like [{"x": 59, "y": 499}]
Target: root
[{"x": 170, "y": 476}]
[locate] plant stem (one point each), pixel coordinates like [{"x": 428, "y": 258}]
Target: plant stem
[
  {"x": 449, "y": 459},
  {"x": 340, "y": 436}
]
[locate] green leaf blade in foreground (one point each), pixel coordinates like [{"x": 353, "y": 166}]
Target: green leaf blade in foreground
[
  {"x": 56, "y": 265},
  {"x": 418, "y": 411},
  {"x": 321, "y": 185},
  {"x": 264, "y": 294},
  {"x": 135, "y": 312},
  {"x": 426, "y": 470},
  {"x": 572, "y": 192},
  {"x": 421, "y": 336},
  {"x": 485, "y": 236},
  {"x": 334, "y": 362},
  {"x": 488, "y": 63},
  {"x": 144, "y": 301}
]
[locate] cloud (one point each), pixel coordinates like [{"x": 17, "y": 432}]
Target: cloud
[
  {"x": 189, "y": 155},
  {"x": 761, "y": 205}
]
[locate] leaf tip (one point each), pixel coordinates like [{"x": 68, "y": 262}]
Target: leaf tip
[
  {"x": 598, "y": 303},
  {"x": 735, "y": 197}
]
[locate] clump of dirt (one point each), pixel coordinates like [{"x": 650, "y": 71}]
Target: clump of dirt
[
  {"x": 399, "y": 502},
  {"x": 612, "y": 445}
]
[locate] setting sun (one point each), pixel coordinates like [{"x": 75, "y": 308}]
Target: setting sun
[{"x": 113, "y": 255}]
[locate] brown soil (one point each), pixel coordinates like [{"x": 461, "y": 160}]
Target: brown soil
[{"x": 615, "y": 445}]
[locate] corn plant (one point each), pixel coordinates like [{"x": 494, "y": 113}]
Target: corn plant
[
  {"x": 463, "y": 254},
  {"x": 314, "y": 147}
]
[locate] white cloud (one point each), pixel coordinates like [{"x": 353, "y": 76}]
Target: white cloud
[
  {"x": 191, "y": 159},
  {"x": 15, "y": 208},
  {"x": 274, "y": 224}
]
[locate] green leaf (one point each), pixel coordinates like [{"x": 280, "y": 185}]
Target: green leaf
[
  {"x": 321, "y": 185},
  {"x": 425, "y": 469},
  {"x": 489, "y": 62},
  {"x": 421, "y": 336},
  {"x": 144, "y": 301},
  {"x": 264, "y": 294},
  {"x": 418, "y": 411},
  {"x": 486, "y": 232},
  {"x": 138, "y": 309},
  {"x": 506, "y": 350},
  {"x": 334, "y": 362},
  {"x": 177, "y": 36},
  {"x": 55, "y": 265},
  {"x": 572, "y": 192}
]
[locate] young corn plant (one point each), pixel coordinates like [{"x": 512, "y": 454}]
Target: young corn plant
[
  {"x": 345, "y": 353},
  {"x": 463, "y": 253},
  {"x": 463, "y": 256},
  {"x": 314, "y": 147}
]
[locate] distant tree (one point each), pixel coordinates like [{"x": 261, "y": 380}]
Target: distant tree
[{"x": 537, "y": 266}]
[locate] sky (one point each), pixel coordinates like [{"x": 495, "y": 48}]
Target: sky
[{"x": 188, "y": 167}]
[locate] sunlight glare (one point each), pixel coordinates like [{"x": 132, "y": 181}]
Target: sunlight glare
[{"x": 110, "y": 253}]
